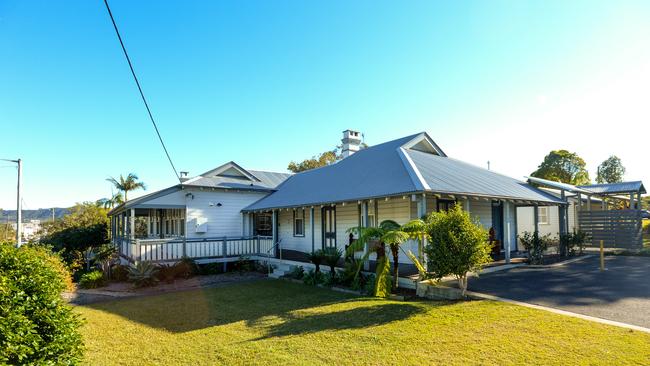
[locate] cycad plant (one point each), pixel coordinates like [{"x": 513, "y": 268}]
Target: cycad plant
[
  {"x": 143, "y": 274},
  {"x": 332, "y": 256},
  {"x": 317, "y": 257}
]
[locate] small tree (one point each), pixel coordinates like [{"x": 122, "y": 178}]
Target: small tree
[
  {"x": 36, "y": 326},
  {"x": 457, "y": 245},
  {"x": 331, "y": 257}
]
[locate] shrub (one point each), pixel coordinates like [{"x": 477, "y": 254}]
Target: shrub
[
  {"x": 535, "y": 245},
  {"x": 186, "y": 267},
  {"x": 167, "y": 272},
  {"x": 36, "y": 326},
  {"x": 119, "y": 273},
  {"x": 457, "y": 245},
  {"x": 316, "y": 258},
  {"x": 244, "y": 264},
  {"x": 369, "y": 285},
  {"x": 313, "y": 278},
  {"x": 297, "y": 272},
  {"x": 92, "y": 279},
  {"x": 331, "y": 257},
  {"x": 143, "y": 274},
  {"x": 574, "y": 242}
]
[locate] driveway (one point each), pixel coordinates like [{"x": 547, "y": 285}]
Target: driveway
[{"x": 621, "y": 293}]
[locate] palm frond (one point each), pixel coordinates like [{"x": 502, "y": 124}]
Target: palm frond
[{"x": 395, "y": 237}]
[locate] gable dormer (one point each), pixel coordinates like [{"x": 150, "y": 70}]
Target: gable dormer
[
  {"x": 231, "y": 170},
  {"x": 424, "y": 143}
]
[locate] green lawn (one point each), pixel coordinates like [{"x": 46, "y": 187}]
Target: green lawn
[{"x": 277, "y": 322}]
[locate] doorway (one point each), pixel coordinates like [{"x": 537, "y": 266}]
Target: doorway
[
  {"x": 329, "y": 226},
  {"x": 497, "y": 220}
]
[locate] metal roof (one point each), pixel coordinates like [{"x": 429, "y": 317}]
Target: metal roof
[
  {"x": 453, "y": 176},
  {"x": 558, "y": 185},
  {"x": 262, "y": 181},
  {"x": 266, "y": 181},
  {"x": 616, "y": 188},
  {"x": 394, "y": 168}
]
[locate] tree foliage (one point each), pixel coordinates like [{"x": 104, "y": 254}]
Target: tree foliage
[
  {"x": 323, "y": 159},
  {"x": 87, "y": 225},
  {"x": 36, "y": 326},
  {"x": 610, "y": 170},
  {"x": 563, "y": 166},
  {"x": 130, "y": 183},
  {"x": 7, "y": 232},
  {"x": 457, "y": 245}
]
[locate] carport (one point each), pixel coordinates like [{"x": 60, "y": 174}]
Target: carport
[{"x": 618, "y": 224}]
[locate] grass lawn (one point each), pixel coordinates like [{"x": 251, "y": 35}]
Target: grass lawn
[{"x": 277, "y": 322}]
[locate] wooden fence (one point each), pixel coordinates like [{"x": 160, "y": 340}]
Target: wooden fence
[
  {"x": 161, "y": 250},
  {"x": 617, "y": 228}
]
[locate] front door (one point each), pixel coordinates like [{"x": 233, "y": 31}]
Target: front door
[
  {"x": 497, "y": 220},
  {"x": 329, "y": 226}
]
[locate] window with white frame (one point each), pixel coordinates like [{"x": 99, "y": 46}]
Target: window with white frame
[
  {"x": 371, "y": 220},
  {"x": 542, "y": 215},
  {"x": 299, "y": 222}
]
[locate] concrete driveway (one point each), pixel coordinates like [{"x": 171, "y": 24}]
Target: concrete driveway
[{"x": 621, "y": 293}]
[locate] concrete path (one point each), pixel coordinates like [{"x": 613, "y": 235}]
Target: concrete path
[{"x": 621, "y": 293}]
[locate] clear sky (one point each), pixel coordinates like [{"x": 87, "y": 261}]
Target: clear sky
[{"x": 265, "y": 82}]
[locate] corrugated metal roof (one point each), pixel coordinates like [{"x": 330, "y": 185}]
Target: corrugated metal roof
[
  {"x": 388, "y": 169},
  {"x": 616, "y": 188},
  {"x": 557, "y": 185},
  {"x": 372, "y": 172},
  {"x": 453, "y": 176},
  {"x": 267, "y": 181}
]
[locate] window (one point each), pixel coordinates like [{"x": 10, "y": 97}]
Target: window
[
  {"x": 542, "y": 215},
  {"x": 445, "y": 205},
  {"x": 263, "y": 224},
  {"x": 299, "y": 222}
]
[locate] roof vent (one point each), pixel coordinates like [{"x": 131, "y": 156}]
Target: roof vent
[{"x": 351, "y": 142}]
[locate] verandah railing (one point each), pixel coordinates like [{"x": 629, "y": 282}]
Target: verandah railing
[{"x": 160, "y": 250}]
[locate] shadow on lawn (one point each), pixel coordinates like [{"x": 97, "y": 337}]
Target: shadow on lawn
[
  {"x": 355, "y": 318},
  {"x": 253, "y": 303}
]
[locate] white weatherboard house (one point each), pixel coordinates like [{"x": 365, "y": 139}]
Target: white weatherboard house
[{"x": 230, "y": 211}]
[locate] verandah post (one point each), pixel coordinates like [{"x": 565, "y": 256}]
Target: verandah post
[
  {"x": 259, "y": 251},
  {"x": 224, "y": 248}
]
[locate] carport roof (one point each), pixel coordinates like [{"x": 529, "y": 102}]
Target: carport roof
[{"x": 616, "y": 188}]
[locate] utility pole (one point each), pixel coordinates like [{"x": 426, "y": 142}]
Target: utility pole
[
  {"x": 488, "y": 165},
  {"x": 19, "y": 209}
]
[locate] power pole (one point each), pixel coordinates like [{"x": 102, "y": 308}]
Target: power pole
[{"x": 19, "y": 209}]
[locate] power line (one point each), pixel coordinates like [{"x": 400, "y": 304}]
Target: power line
[{"x": 128, "y": 59}]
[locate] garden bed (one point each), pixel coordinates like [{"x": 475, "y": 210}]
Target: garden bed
[{"x": 116, "y": 290}]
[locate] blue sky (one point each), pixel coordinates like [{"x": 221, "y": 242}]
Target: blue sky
[{"x": 266, "y": 82}]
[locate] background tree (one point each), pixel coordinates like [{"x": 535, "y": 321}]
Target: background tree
[
  {"x": 326, "y": 158},
  {"x": 563, "y": 166},
  {"x": 610, "y": 170},
  {"x": 457, "y": 245},
  {"x": 87, "y": 225},
  {"x": 130, "y": 183},
  {"x": 7, "y": 232}
]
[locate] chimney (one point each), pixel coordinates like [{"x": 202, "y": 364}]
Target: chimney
[
  {"x": 184, "y": 176},
  {"x": 351, "y": 143}
]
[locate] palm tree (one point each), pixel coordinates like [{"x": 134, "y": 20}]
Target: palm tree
[
  {"x": 130, "y": 183},
  {"x": 107, "y": 203},
  {"x": 388, "y": 232}
]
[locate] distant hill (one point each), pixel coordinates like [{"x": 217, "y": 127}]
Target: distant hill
[{"x": 43, "y": 214}]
